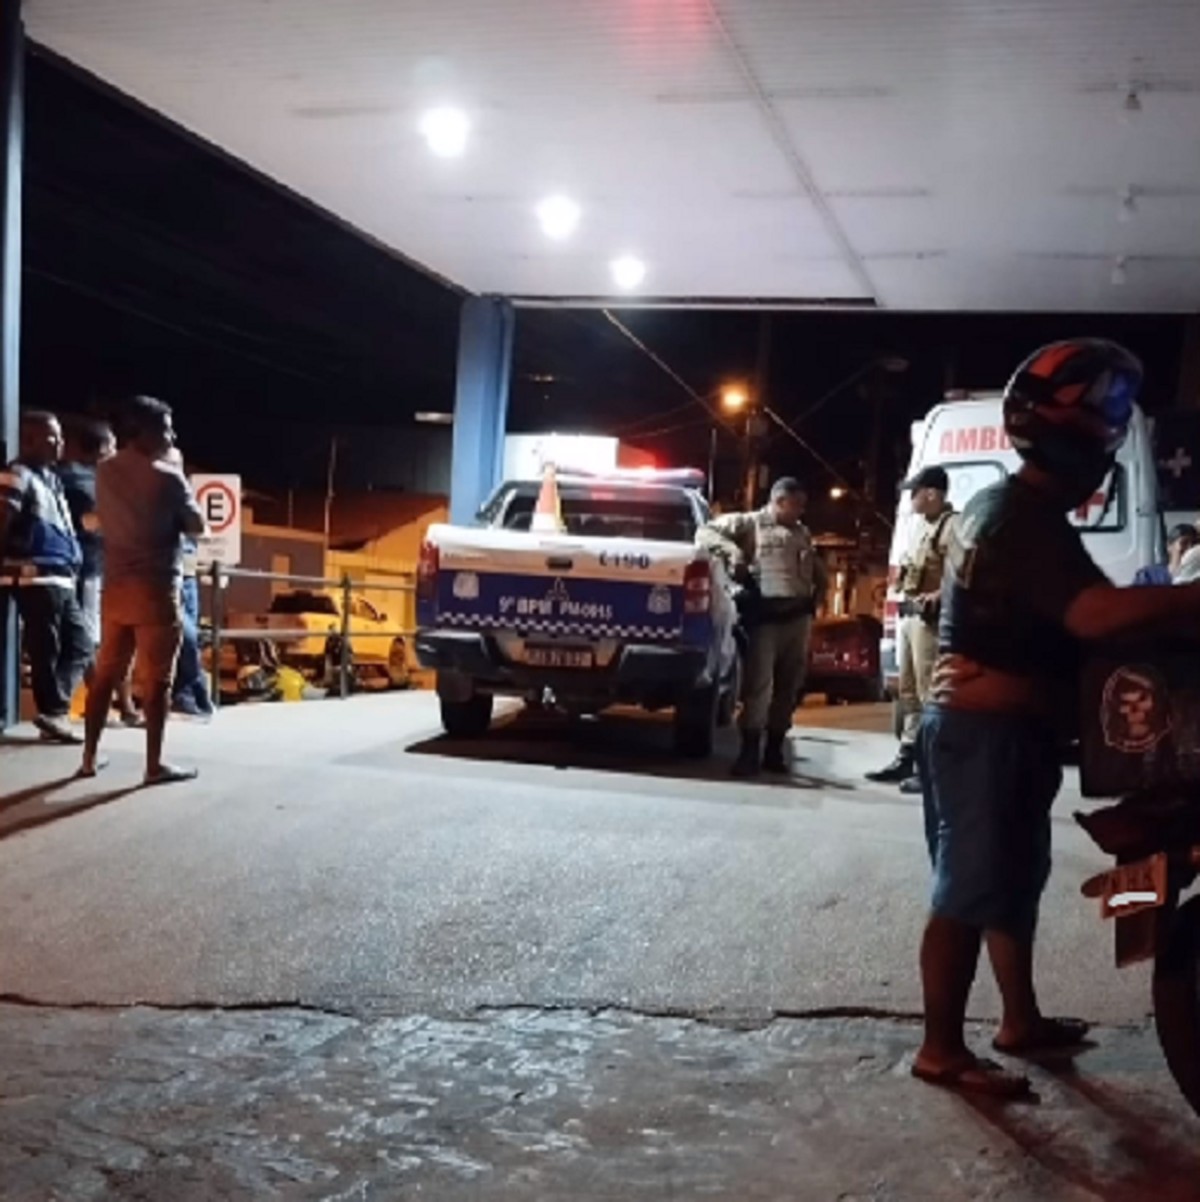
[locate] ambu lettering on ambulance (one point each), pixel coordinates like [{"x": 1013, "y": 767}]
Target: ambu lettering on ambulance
[{"x": 973, "y": 440}]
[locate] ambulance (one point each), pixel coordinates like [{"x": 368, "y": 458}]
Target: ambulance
[{"x": 1121, "y": 524}]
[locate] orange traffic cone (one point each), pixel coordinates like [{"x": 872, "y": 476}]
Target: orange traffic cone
[{"x": 547, "y": 513}]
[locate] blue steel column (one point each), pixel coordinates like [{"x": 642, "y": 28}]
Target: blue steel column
[
  {"x": 485, "y": 346},
  {"x": 12, "y": 133}
]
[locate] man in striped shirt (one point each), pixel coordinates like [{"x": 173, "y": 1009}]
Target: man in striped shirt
[{"x": 40, "y": 559}]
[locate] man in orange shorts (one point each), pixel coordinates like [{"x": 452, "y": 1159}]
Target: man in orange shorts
[{"x": 145, "y": 506}]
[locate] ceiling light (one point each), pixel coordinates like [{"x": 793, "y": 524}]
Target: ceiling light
[
  {"x": 559, "y": 216},
  {"x": 1128, "y": 208},
  {"x": 1120, "y": 273},
  {"x": 628, "y": 272},
  {"x": 427, "y": 418},
  {"x": 445, "y": 131}
]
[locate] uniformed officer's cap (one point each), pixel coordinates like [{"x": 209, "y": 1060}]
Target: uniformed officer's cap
[{"x": 929, "y": 477}]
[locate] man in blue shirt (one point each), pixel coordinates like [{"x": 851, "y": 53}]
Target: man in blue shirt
[
  {"x": 40, "y": 559},
  {"x": 1179, "y": 542}
]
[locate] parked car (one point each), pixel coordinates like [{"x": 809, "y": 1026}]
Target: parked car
[
  {"x": 843, "y": 659},
  {"x": 312, "y": 625}
]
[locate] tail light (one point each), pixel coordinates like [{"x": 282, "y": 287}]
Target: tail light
[
  {"x": 427, "y": 570},
  {"x": 697, "y": 587},
  {"x": 891, "y": 611}
]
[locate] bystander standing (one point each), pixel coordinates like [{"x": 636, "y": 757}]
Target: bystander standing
[
  {"x": 88, "y": 442},
  {"x": 41, "y": 559},
  {"x": 189, "y": 695},
  {"x": 146, "y": 508}
]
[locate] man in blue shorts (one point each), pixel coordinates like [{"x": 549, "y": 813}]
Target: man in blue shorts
[{"x": 1020, "y": 597}]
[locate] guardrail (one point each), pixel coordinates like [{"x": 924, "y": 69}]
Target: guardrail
[{"x": 217, "y": 578}]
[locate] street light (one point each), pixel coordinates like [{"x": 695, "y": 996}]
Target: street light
[
  {"x": 837, "y": 492},
  {"x": 734, "y": 398}
]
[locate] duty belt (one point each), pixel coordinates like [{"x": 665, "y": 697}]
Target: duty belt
[{"x": 908, "y": 608}]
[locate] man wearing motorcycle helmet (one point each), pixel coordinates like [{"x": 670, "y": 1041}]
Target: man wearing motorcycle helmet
[{"x": 1020, "y": 596}]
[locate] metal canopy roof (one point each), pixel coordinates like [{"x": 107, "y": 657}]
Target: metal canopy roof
[{"x": 912, "y": 154}]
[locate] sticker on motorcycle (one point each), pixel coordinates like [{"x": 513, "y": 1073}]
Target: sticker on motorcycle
[{"x": 1134, "y": 713}]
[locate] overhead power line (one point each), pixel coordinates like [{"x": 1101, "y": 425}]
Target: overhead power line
[{"x": 663, "y": 366}]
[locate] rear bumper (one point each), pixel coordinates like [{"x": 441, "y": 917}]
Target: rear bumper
[{"x": 635, "y": 671}]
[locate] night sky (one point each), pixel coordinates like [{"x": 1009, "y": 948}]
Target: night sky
[{"x": 154, "y": 264}]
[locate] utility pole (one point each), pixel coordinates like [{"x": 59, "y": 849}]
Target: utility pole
[
  {"x": 12, "y": 158},
  {"x": 756, "y": 422},
  {"x": 330, "y": 477}
]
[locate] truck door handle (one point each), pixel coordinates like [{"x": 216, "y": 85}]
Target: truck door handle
[{"x": 560, "y": 563}]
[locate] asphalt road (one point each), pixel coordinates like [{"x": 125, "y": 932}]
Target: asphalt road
[{"x": 342, "y": 856}]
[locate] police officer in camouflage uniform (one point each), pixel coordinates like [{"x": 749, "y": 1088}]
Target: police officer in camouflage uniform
[
  {"x": 770, "y": 553},
  {"x": 917, "y": 621}
]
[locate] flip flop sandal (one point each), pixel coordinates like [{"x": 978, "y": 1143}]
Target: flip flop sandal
[
  {"x": 86, "y": 772},
  {"x": 1053, "y": 1035},
  {"x": 166, "y": 775},
  {"x": 976, "y": 1076}
]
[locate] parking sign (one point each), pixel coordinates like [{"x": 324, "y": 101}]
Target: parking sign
[{"x": 220, "y": 500}]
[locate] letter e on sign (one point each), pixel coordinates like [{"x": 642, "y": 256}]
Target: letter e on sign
[{"x": 220, "y": 500}]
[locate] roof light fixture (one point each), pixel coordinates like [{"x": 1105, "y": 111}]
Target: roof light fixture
[
  {"x": 628, "y": 271},
  {"x": 1132, "y": 104},
  {"x": 559, "y": 217},
  {"x": 1128, "y": 207},
  {"x": 445, "y": 131},
  {"x": 1120, "y": 272}
]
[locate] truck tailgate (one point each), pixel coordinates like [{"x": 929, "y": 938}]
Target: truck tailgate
[{"x": 560, "y": 584}]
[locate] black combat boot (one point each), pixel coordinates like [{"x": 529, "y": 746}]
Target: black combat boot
[
  {"x": 902, "y": 768},
  {"x": 774, "y": 760},
  {"x": 749, "y": 760}
]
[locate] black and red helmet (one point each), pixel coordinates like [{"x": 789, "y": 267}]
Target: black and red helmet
[{"x": 1069, "y": 405}]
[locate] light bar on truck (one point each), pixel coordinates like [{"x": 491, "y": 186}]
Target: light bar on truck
[{"x": 684, "y": 477}]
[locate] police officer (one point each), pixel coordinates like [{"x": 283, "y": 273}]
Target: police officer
[
  {"x": 916, "y": 626},
  {"x": 770, "y": 553}
]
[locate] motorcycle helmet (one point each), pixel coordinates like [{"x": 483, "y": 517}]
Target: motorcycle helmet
[{"x": 1068, "y": 407}]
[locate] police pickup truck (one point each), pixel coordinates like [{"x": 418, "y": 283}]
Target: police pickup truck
[{"x": 612, "y": 604}]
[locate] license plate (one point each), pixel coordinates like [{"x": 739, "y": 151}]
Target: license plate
[
  {"x": 1131, "y": 888},
  {"x": 559, "y": 657}
]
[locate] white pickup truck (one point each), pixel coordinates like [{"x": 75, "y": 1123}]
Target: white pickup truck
[{"x": 619, "y": 607}]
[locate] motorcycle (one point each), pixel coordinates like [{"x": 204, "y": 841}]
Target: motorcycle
[{"x": 1141, "y": 741}]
